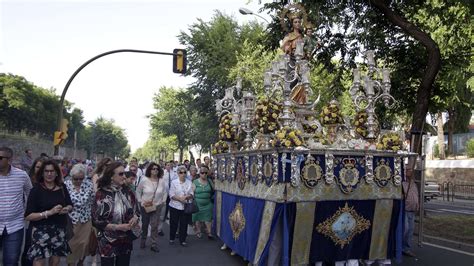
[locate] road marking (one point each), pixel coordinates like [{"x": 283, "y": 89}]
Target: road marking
[
  {"x": 454, "y": 211},
  {"x": 450, "y": 249}
]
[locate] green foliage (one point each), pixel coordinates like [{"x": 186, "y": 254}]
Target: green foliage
[
  {"x": 213, "y": 48},
  {"x": 470, "y": 148},
  {"x": 107, "y": 138},
  {"x": 174, "y": 115},
  {"x": 157, "y": 147},
  {"x": 436, "y": 151}
]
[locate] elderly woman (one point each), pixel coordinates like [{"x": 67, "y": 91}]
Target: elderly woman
[
  {"x": 82, "y": 195},
  {"x": 203, "y": 191},
  {"x": 115, "y": 214},
  {"x": 47, "y": 208},
  {"x": 151, "y": 194},
  {"x": 193, "y": 173},
  {"x": 181, "y": 191}
]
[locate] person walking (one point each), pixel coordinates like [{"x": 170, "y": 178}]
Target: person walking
[
  {"x": 115, "y": 214},
  {"x": 15, "y": 186},
  {"x": 412, "y": 205},
  {"x": 47, "y": 208},
  {"x": 169, "y": 175},
  {"x": 81, "y": 191},
  {"x": 151, "y": 193},
  {"x": 27, "y": 160},
  {"x": 203, "y": 191},
  {"x": 33, "y": 173},
  {"x": 180, "y": 192}
]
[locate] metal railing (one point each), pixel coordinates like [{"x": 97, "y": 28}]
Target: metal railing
[{"x": 450, "y": 191}]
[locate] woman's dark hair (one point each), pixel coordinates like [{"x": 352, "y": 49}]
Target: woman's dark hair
[
  {"x": 150, "y": 166},
  {"x": 102, "y": 165},
  {"x": 59, "y": 177},
  {"x": 31, "y": 173},
  {"x": 129, "y": 174},
  {"x": 106, "y": 178}
]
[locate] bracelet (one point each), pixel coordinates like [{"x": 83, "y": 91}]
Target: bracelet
[
  {"x": 46, "y": 214},
  {"x": 42, "y": 214}
]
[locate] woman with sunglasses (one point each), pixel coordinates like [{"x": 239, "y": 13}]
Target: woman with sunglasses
[
  {"x": 82, "y": 194},
  {"x": 151, "y": 194},
  {"x": 181, "y": 191},
  {"x": 115, "y": 214},
  {"x": 203, "y": 193},
  {"x": 47, "y": 208}
]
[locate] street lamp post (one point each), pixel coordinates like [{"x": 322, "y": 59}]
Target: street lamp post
[
  {"x": 63, "y": 95},
  {"x": 246, "y": 11}
]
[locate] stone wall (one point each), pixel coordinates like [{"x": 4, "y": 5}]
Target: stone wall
[
  {"x": 441, "y": 170},
  {"x": 20, "y": 143}
]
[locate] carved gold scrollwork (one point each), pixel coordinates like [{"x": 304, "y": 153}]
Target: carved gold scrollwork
[
  {"x": 312, "y": 172},
  {"x": 383, "y": 173},
  {"x": 237, "y": 220},
  {"x": 343, "y": 225}
]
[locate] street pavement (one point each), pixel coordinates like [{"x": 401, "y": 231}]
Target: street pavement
[
  {"x": 459, "y": 207},
  {"x": 429, "y": 255}
]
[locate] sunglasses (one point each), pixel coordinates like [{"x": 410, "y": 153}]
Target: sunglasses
[
  {"x": 121, "y": 173},
  {"x": 49, "y": 171},
  {"x": 155, "y": 169},
  {"x": 4, "y": 157},
  {"x": 204, "y": 173},
  {"x": 77, "y": 179},
  {"x": 182, "y": 173}
]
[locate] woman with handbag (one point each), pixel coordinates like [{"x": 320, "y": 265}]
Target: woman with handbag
[
  {"x": 151, "y": 193},
  {"x": 181, "y": 193},
  {"x": 115, "y": 214},
  {"x": 203, "y": 192},
  {"x": 47, "y": 208},
  {"x": 82, "y": 195}
]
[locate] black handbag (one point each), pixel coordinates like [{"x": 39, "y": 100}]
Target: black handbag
[
  {"x": 69, "y": 225},
  {"x": 191, "y": 207}
]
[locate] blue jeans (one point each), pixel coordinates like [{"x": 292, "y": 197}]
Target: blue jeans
[
  {"x": 11, "y": 244},
  {"x": 408, "y": 232}
]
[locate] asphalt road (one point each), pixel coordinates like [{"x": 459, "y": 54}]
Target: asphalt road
[{"x": 464, "y": 207}]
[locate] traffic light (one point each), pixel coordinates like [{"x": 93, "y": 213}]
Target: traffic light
[
  {"x": 179, "y": 61},
  {"x": 58, "y": 138}
]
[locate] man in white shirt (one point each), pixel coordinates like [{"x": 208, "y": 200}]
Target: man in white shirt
[{"x": 168, "y": 175}]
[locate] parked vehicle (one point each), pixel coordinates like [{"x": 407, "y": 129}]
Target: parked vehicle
[{"x": 432, "y": 190}]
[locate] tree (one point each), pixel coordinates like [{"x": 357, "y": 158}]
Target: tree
[
  {"x": 173, "y": 116},
  {"x": 212, "y": 49},
  {"x": 157, "y": 147},
  {"x": 107, "y": 138},
  {"x": 401, "y": 34}
]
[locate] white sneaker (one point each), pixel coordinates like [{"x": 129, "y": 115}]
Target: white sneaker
[
  {"x": 232, "y": 253},
  {"x": 224, "y": 247}
]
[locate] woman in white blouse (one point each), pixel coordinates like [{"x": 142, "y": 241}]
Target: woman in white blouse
[
  {"x": 151, "y": 194},
  {"x": 181, "y": 190},
  {"x": 81, "y": 191}
]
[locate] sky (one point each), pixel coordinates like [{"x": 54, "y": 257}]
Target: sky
[{"x": 46, "y": 41}]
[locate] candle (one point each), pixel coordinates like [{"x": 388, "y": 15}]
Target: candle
[
  {"x": 356, "y": 75},
  {"x": 370, "y": 57},
  {"x": 275, "y": 67},
  {"x": 267, "y": 79},
  {"x": 369, "y": 86},
  {"x": 386, "y": 75}
]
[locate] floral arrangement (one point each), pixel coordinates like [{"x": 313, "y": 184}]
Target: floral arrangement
[
  {"x": 287, "y": 137},
  {"x": 220, "y": 147},
  {"x": 331, "y": 114},
  {"x": 227, "y": 131},
  {"x": 319, "y": 137},
  {"x": 360, "y": 123},
  {"x": 309, "y": 126},
  {"x": 266, "y": 115},
  {"x": 390, "y": 141}
]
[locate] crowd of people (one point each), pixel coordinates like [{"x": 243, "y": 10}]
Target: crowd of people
[{"x": 75, "y": 209}]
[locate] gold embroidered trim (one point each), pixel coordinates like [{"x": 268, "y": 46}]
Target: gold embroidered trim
[{"x": 237, "y": 220}]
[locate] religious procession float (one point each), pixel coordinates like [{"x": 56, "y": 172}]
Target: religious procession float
[{"x": 305, "y": 184}]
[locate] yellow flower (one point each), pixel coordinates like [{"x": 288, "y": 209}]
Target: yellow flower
[
  {"x": 297, "y": 142},
  {"x": 274, "y": 115},
  {"x": 287, "y": 143},
  {"x": 292, "y": 135},
  {"x": 326, "y": 110},
  {"x": 334, "y": 115},
  {"x": 281, "y": 135}
]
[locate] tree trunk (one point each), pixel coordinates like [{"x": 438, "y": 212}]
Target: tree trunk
[
  {"x": 181, "y": 153},
  {"x": 191, "y": 157},
  {"x": 439, "y": 124},
  {"x": 451, "y": 119},
  {"x": 432, "y": 68}
]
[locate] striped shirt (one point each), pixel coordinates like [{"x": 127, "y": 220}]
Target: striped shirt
[{"x": 14, "y": 190}]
